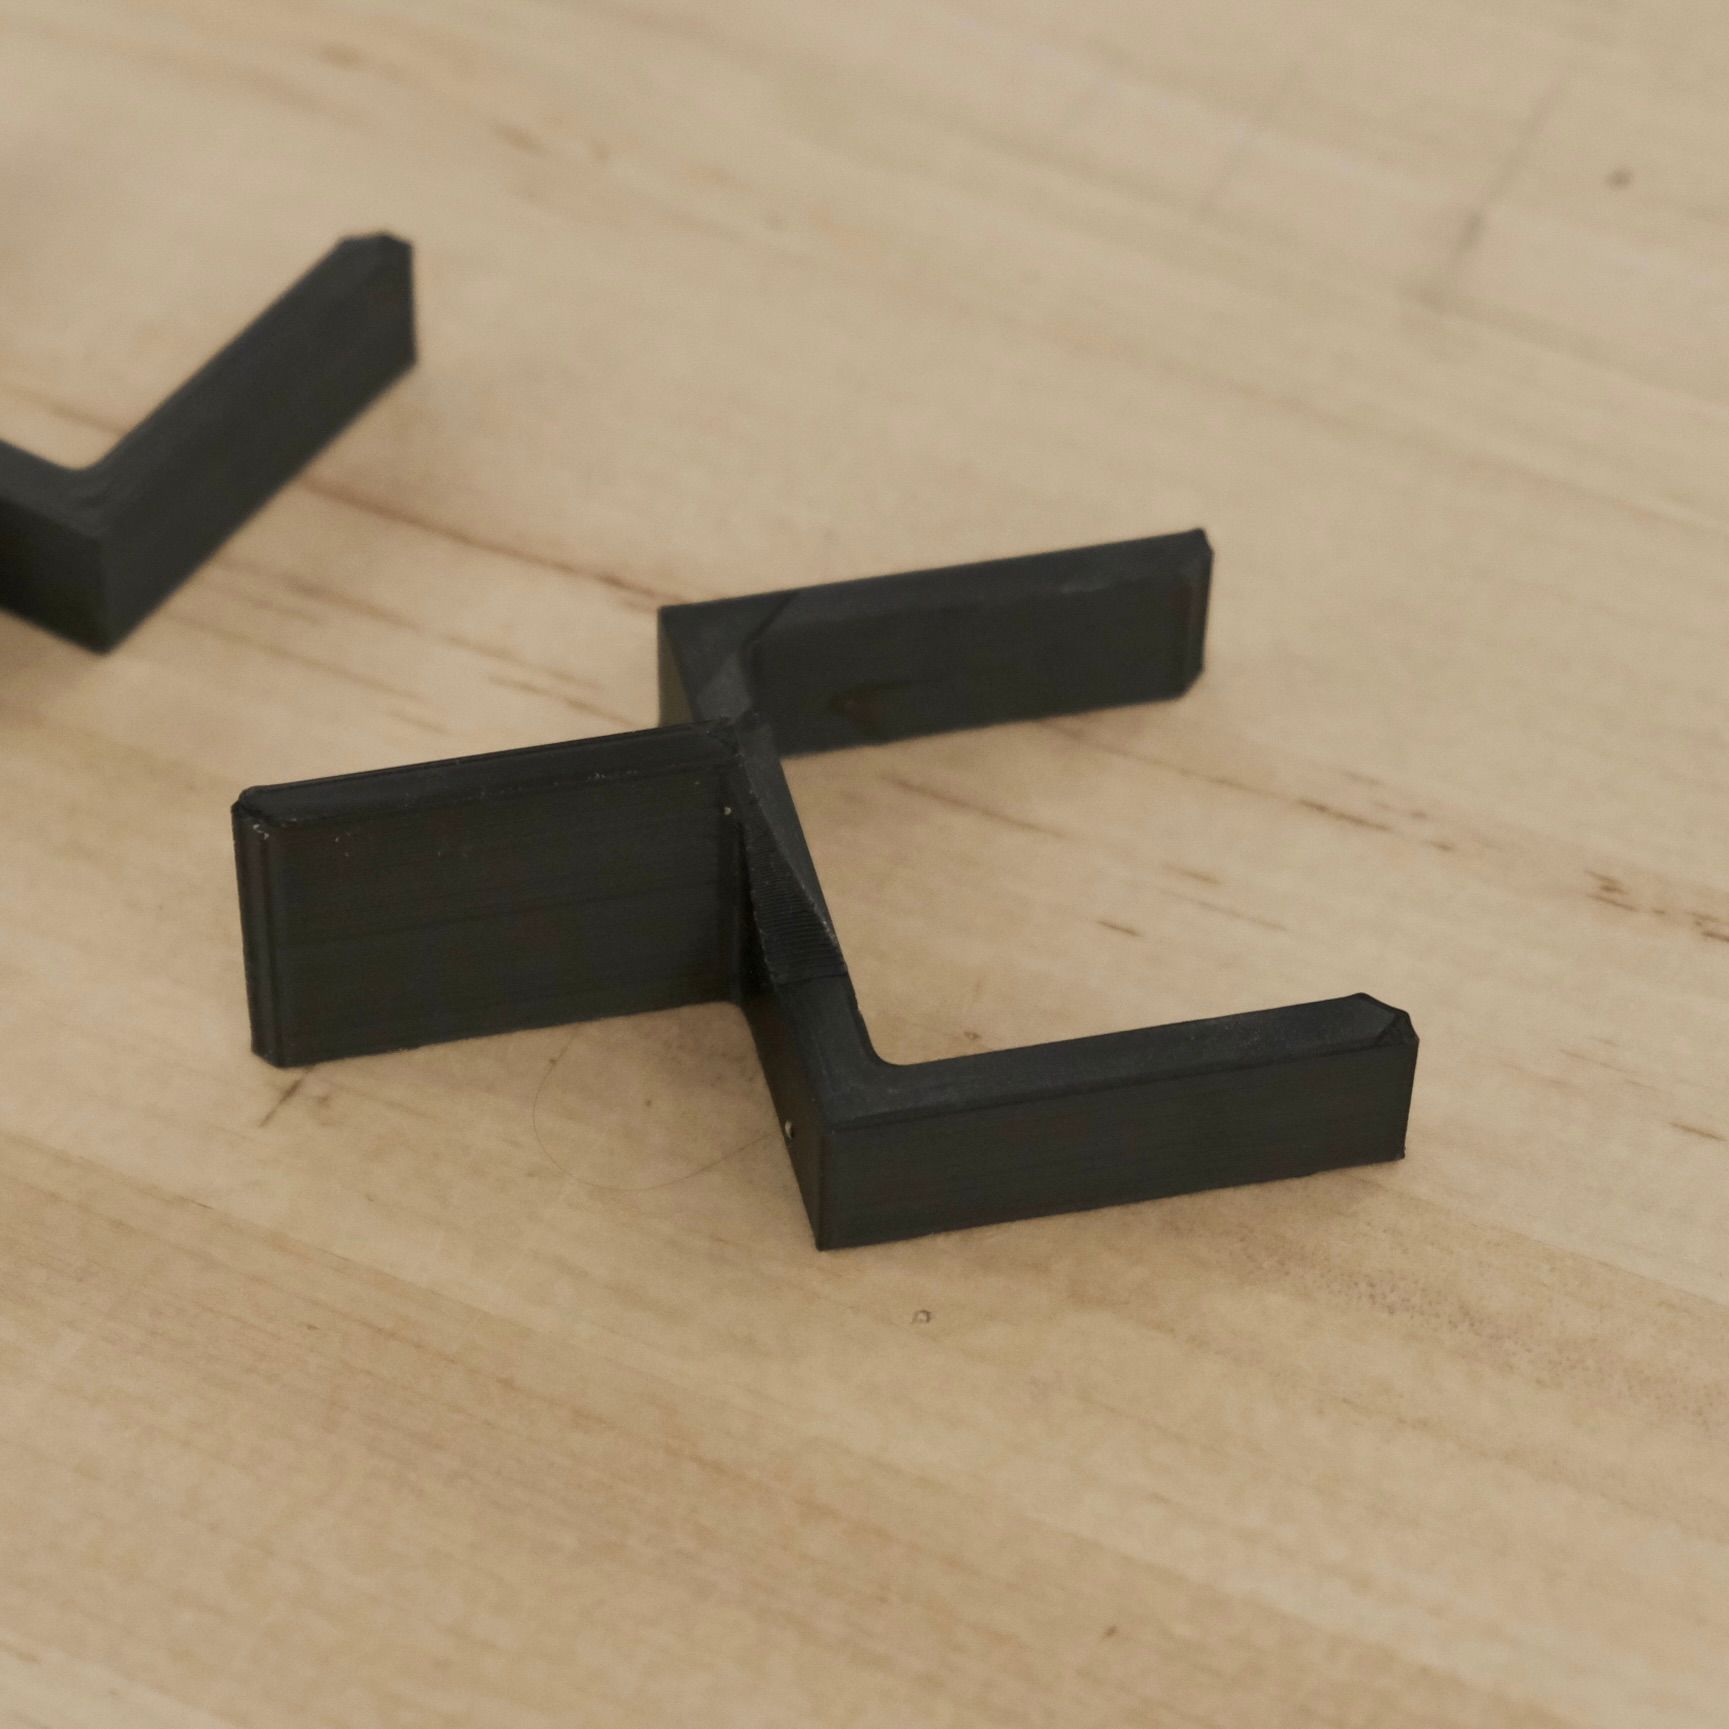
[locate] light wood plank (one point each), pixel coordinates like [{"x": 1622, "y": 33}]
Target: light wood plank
[{"x": 498, "y": 1383}]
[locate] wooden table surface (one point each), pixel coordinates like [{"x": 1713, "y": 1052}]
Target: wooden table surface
[{"x": 498, "y": 1384}]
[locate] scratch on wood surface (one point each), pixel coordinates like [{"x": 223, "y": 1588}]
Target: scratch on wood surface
[
  {"x": 1265, "y": 924},
  {"x": 1610, "y": 891},
  {"x": 678, "y": 1177},
  {"x": 1315, "y": 806},
  {"x": 1703, "y": 1134},
  {"x": 578, "y": 698},
  {"x": 534, "y": 1104},
  {"x": 1255, "y": 128},
  {"x": 187, "y": 621},
  {"x": 504, "y": 682},
  {"x": 1196, "y": 876},
  {"x": 1333, "y": 811},
  {"x": 405, "y": 518},
  {"x": 955, "y": 802},
  {"x": 1441, "y": 286},
  {"x": 283, "y": 1098}
]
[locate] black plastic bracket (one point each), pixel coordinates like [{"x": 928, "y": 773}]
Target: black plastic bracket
[
  {"x": 89, "y": 551},
  {"x": 651, "y": 869}
]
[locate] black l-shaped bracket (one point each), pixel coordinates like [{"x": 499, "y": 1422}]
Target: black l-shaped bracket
[
  {"x": 651, "y": 869},
  {"x": 89, "y": 551}
]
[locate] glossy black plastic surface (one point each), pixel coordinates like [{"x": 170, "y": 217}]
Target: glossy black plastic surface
[{"x": 665, "y": 867}]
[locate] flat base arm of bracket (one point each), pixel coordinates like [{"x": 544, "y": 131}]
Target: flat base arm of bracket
[
  {"x": 885, "y": 1151},
  {"x": 88, "y": 552}
]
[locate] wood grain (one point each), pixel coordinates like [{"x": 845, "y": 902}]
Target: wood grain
[{"x": 497, "y": 1383}]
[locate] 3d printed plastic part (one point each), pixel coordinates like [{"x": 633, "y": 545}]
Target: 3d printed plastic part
[
  {"x": 656, "y": 868},
  {"x": 89, "y": 551}
]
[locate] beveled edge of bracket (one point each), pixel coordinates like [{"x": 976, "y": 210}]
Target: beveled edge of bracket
[
  {"x": 476, "y": 779},
  {"x": 866, "y": 1089},
  {"x": 888, "y": 657}
]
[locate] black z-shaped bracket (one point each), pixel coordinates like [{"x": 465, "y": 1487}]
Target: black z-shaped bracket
[
  {"x": 89, "y": 551},
  {"x": 652, "y": 869}
]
